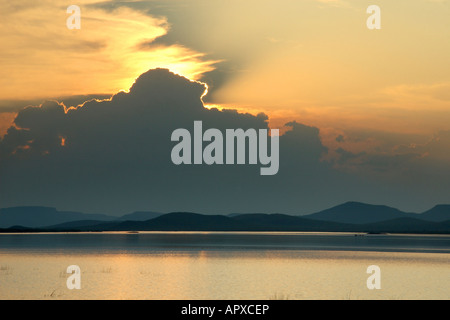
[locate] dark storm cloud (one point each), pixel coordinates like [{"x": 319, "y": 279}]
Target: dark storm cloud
[{"x": 113, "y": 156}]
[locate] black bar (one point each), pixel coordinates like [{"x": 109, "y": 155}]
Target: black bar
[{"x": 223, "y": 309}]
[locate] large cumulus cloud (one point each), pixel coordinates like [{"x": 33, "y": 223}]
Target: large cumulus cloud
[{"x": 113, "y": 156}]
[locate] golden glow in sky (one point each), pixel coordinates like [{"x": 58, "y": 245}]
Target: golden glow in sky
[
  {"x": 311, "y": 60},
  {"x": 41, "y": 57},
  {"x": 364, "y": 113}
]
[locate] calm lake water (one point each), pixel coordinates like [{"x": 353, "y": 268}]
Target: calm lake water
[{"x": 217, "y": 265}]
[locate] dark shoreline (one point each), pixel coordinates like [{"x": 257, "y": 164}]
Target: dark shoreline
[{"x": 356, "y": 233}]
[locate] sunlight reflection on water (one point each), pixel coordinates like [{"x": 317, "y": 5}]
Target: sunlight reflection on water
[{"x": 221, "y": 266}]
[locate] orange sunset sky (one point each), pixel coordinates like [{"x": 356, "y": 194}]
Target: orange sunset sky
[
  {"x": 314, "y": 60},
  {"x": 377, "y": 92}
]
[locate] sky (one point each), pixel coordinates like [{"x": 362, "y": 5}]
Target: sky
[{"x": 365, "y": 114}]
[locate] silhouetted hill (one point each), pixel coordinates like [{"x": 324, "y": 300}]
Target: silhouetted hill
[
  {"x": 248, "y": 222},
  {"x": 182, "y": 221},
  {"x": 140, "y": 216},
  {"x": 354, "y": 215},
  {"x": 267, "y": 222},
  {"x": 82, "y": 225},
  {"x": 359, "y": 213},
  {"x": 277, "y": 222},
  {"x": 438, "y": 213},
  {"x": 35, "y": 216},
  {"x": 185, "y": 221},
  {"x": 17, "y": 229},
  {"x": 231, "y": 215},
  {"x": 407, "y": 225}
]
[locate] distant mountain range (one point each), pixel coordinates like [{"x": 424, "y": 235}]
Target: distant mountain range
[
  {"x": 347, "y": 217},
  {"x": 37, "y": 217},
  {"x": 360, "y": 213}
]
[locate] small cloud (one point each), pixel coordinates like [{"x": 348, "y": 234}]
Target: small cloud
[{"x": 340, "y": 138}]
